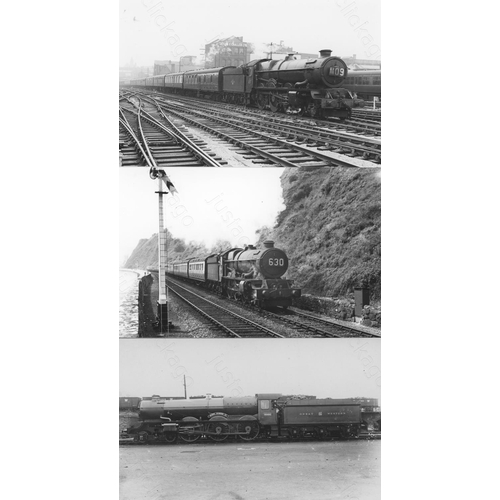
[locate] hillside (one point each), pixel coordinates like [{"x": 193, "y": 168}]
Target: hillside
[
  {"x": 145, "y": 253},
  {"x": 330, "y": 229}
]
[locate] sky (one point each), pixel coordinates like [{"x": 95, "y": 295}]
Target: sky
[
  {"x": 345, "y": 26},
  {"x": 211, "y": 204},
  {"x": 338, "y": 368}
]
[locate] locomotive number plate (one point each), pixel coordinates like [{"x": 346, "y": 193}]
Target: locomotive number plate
[
  {"x": 336, "y": 71},
  {"x": 277, "y": 262}
]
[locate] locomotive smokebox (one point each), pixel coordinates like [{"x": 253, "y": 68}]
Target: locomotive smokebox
[
  {"x": 269, "y": 262},
  {"x": 325, "y": 53}
]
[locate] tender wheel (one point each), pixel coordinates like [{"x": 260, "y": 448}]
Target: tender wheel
[{"x": 323, "y": 433}]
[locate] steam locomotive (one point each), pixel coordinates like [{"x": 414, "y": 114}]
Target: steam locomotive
[
  {"x": 250, "y": 275},
  {"x": 310, "y": 87},
  {"x": 267, "y": 415}
]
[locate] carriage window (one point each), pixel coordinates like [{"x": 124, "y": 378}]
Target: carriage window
[{"x": 264, "y": 405}]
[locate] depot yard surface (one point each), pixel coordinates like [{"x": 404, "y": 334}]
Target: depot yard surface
[{"x": 252, "y": 471}]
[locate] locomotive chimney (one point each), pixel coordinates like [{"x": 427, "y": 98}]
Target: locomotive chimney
[
  {"x": 325, "y": 53},
  {"x": 268, "y": 244}
]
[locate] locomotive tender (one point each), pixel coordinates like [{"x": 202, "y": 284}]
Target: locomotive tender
[
  {"x": 247, "y": 417},
  {"x": 251, "y": 275},
  {"x": 307, "y": 86}
]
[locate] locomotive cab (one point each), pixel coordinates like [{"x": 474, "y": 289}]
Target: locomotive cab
[{"x": 268, "y": 413}]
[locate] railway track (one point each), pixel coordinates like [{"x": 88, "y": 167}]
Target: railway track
[
  {"x": 352, "y": 126},
  {"x": 270, "y": 126},
  {"x": 367, "y": 116},
  {"x": 306, "y": 324},
  {"x": 267, "y": 148},
  {"x": 310, "y": 325},
  {"x": 328, "y": 328},
  {"x": 149, "y": 140},
  {"x": 222, "y": 320}
]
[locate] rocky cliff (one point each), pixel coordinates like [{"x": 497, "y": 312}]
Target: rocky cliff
[{"x": 330, "y": 229}]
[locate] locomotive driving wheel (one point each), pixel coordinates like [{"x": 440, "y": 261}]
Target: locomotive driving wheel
[
  {"x": 220, "y": 429},
  {"x": 251, "y": 430},
  {"x": 189, "y": 427}
]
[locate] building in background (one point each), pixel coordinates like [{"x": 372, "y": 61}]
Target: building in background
[
  {"x": 185, "y": 63},
  {"x": 231, "y": 51}
]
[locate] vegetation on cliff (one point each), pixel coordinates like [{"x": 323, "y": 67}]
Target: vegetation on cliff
[{"x": 330, "y": 229}]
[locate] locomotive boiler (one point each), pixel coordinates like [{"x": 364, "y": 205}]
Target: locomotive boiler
[
  {"x": 190, "y": 419},
  {"x": 325, "y": 71}
]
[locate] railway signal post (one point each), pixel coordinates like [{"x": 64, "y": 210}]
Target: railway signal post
[{"x": 162, "y": 303}]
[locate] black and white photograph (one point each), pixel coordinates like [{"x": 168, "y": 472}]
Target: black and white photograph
[
  {"x": 224, "y": 88},
  {"x": 250, "y": 253},
  {"x": 234, "y": 420}
]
